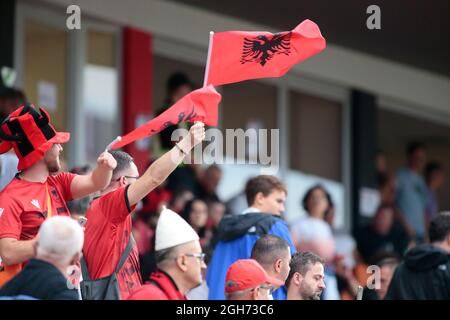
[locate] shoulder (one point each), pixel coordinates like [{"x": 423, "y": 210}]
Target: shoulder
[
  {"x": 13, "y": 193},
  {"x": 11, "y": 187},
  {"x": 62, "y": 176},
  {"x": 148, "y": 292},
  {"x": 116, "y": 197}
]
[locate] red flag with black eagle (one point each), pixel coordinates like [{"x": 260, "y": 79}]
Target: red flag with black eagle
[
  {"x": 236, "y": 56},
  {"x": 199, "y": 105}
]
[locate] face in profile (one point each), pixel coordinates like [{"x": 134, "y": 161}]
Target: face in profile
[
  {"x": 285, "y": 268},
  {"x": 386, "y": 273},
  {"x": 51, "y": 158},
  {"x": 274, "y": 202},
  {"x": 194, "y": 265},
  {"x": 312, "y": 284}
]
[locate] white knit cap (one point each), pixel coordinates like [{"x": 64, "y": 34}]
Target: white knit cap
[{"x": 172, "y": 230}]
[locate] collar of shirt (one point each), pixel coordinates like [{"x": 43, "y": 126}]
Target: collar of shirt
[{"x": 250, "y": 210}]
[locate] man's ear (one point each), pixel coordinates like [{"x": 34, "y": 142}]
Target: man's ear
[
  {"x": 259, "y": 198},
  {"x": 181, "y": 263},
  {"x": 76, "y": 259},
  {"x": 255, "y": 294},
  {"x": 278, "y": 264},
  {"x": 297, "y": 278}
]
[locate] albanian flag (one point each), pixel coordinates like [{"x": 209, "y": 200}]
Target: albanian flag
[
  {"x": 199, "y": 105},
  {"x": 238, "y": 55}
]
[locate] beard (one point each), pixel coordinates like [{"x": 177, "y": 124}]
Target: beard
[
  {"x": 308, "y": 293},
  {"x": 316, "y": 296},
  {"x": 53, "y": 166}
]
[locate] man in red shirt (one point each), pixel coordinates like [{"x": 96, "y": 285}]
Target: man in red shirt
[
  {"x": 37, "y": 192},
  {"x": 109, "y": 222},
  {"x": 179, "y": 259}
]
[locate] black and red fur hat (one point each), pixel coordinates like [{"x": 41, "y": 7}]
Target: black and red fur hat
[{"x": 31, "y": 135}]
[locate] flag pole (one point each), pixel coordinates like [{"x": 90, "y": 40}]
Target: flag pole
[
  {"x": 205, "y": 79},
  {"x": 108, "y": 147}
]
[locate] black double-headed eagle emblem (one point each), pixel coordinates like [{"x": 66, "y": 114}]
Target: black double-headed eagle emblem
[
  {"x": 263, "y": 48},
  {"x": 182, "y": 117}
]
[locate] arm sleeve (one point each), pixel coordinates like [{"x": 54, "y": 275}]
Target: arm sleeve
[
  {"x": 64, "y": 180},
  {"x": 10, "y": 223}
]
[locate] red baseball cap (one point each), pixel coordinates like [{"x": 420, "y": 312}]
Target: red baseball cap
[{"x": 246, "y": 274}]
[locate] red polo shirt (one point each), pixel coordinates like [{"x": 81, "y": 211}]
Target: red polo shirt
[
  {"x": 106, "y": 236},
  {"x": 23, "y": 205}
]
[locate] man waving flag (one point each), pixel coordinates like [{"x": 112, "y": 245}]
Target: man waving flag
[
  {"x": 199, "y": 105},
  {"x": 236, "y": 56}
]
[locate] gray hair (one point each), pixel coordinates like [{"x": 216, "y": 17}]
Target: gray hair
[{"x": 60, "y": 239}]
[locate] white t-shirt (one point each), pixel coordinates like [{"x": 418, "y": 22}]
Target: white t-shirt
[{"x": 309, "y": 229}]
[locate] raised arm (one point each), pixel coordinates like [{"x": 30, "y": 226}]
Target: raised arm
[
  {"x": 98, "y": 179},
  {"x": 163, "y": 167}
]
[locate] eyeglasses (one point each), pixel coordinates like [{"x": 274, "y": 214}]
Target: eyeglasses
[
  {"x": 128, "y": 177},
  {"x": 200, "y": 256},
  {"x": 270, "y": 288}
]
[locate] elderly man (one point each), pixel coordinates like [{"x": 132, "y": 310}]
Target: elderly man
[
  {"x": 274, "y": 255},
  {"x": 179, "y": 259},
  {"x": 306, "y": 278},
  {"x": 60, "y": 240},
  {"x": 247, "y": 280}
]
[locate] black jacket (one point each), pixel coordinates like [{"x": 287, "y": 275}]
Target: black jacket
[
  {"x": 424, "y": 275},
  {"x": 40, "y": 280}
]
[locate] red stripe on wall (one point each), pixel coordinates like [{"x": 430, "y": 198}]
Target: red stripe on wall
[{"x": 136, "y": 87}]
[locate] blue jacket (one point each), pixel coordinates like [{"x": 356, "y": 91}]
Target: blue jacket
[{"x": 235, "y": 239}]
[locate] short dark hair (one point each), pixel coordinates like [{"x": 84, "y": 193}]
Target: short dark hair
[
  {"x": 123, "y": 160},
  {"x": 309, "y": 194},
  {"x": 13, "y": 95},
  {"x": 383, "y": 258},
  {"x": 432, "y": 167},
  {"x": 10, "y": 100},
  {"x": 413, "y": 147},
  {"x": 265, "y": 184},
  {"x": 177, "y": 80},
  {"x": 302, "y": 262},
  {"x": 439, "y": 227},
  {"x": 268, "y": 249},
  {"x": 213, "y": 167}
]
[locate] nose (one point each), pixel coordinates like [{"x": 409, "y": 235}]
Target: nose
[{"x": 322, "y": 285}]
